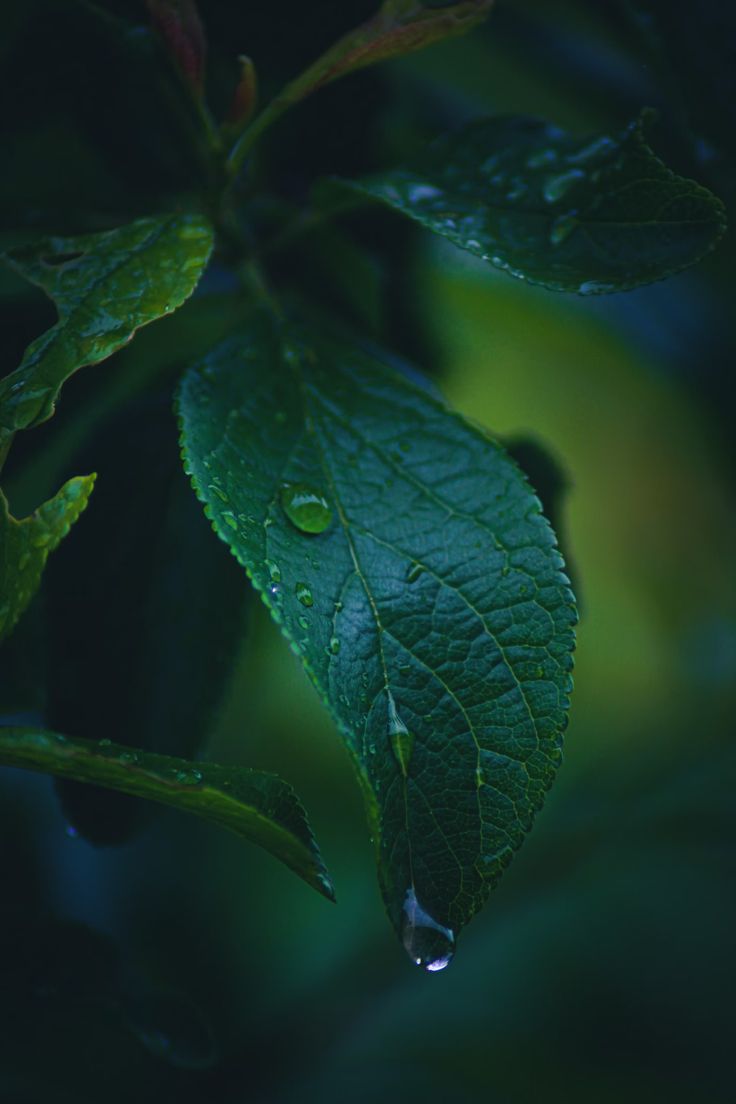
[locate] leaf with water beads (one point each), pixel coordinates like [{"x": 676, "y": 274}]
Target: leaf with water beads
[
  {"x": 254, "y": 804},
  {"x": 589, "y": 215},
  {"x": 449, "y": 684},
  {"x": 105, "y": 287}
]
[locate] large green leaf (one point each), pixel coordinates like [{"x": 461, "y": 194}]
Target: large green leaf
[
  {"x": 25, "y": 545},
  {"x": 129, "y": 601},
  {"x": 408, "y": 562},
  {"x": 259, "y": 806},
  {"x": 105, "y": 286},
  {"x": 593, "y": 215}
]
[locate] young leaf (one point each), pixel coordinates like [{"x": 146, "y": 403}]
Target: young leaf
[
  {"x": 25, "y": 545},
  {"x": 407, "y": 560},
  {"x": 105, "y": 286},
  {"x": 594, "y": 215},
  {"x": 129, "y": 601},
  {"x": 259, "y": 806}
]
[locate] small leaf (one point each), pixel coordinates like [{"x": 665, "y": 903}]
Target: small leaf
[
  {"x": 25, "y": 545},
  {"x": 105, "y": 286},
  {"x": 594, "y": 215},
  {"x": 178, "y": 23},
  {"x": 258, "y": 806},
  {"x": 431, "y": 611}
]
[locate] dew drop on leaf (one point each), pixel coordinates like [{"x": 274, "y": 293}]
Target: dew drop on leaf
[
  {"x": 557, "y": 187},
  {"x": 428, "y": 943},
  {"x": 306, "y": 508},
  {"x": 562, "y": 228},
  {"x": 304, "y": 594}
]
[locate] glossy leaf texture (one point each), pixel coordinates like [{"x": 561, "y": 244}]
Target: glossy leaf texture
[
  {"x": 105, "y": 287},
  {"x": 428, "y": 605},
  {"x": 25, "y": 545},
  {"x": 259, "y": 806},
  {"x": 589, "y": 215},
  {"x": 133, "y": 645}
]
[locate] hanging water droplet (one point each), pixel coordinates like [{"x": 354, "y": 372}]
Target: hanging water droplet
[
  {"x": 304, "y": 594},
  {"x": 557, "y": 187},
  {"x": 562, "y": 228},
  {"x": 428, "y": 943},
  {"x": 400, "y": 738},
  {"x": 414, "y": 572},
  {"x": 306, "y": 508}
]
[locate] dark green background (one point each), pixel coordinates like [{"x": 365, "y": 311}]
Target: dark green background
[{"x": 188, "y": 966}]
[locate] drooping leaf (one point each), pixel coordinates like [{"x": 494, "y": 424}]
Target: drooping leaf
[
  {"x": 594, "y": 215},
  {"x": 135, "y": 646},
  {"x": 25, "y": 545},
  {"x": 408, "y": 562},
  {"x": 105, "y": 286},
  {"x": 259, "y": 806}
]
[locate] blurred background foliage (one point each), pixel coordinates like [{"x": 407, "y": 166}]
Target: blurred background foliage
[{"x": 186, "y": 965}]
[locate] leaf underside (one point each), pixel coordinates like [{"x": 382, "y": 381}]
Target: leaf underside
[
  {"x": 431, "y": 612},
  {"x": 105, "y": 287},
  {"x": 591, "y": 215},
  {"x": 258, "y": 806}
]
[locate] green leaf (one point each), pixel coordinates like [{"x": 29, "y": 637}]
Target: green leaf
[
  {"x": 587, "y": 215},
  {"x": 258, "y": 806},
  {"x": 25, "y": 545},
  {"x": 129, "y": 602},
  {"x": 428, "y": 605},
  {"x": 105, "y": 286}
]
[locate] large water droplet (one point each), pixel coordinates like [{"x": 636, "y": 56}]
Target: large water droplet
[
  {"x": 557, "y": 187},
  {"x": 428, "y": 943},
  {"x": 305, "y": 507},
  {"x": 401, "y": 739}
]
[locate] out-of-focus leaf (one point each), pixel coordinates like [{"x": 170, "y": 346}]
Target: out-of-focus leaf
[
  {"x": 105, "y": 286},
  {"x": 145, "y": 613},
  {"x": 258, "y": 806},
  {"x": 408, "y": 562},
  {"x": 589, "y": 215},
  {"x": 25, "y": 545}
]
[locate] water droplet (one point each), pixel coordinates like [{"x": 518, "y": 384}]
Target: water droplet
[
  {"x": 188, "y": 777},
  {"x": 104, "y": 743},
  {"x": 219, "y": 492},
  {"x": 273, "y": 570},
  {"x": 428, "y": 943},
  {"x": 594, "y": 151},
  {"x": 302, "y": 622},
  {"x": 420, "y": 193},
  {"x": 595, "y": 287},
  {"x": 480, "y": 778},
  {"x": 414, "y": 572},
  {"x": 334, "y": 645},
  {"x": 229, "y": 518},
  {"x": 557, "y": 187},
  {"x": 305, "y": 507},
  {"x": 304, "y": 594},
  {"x": 401, "y": 739},
  {"x": 541, "y": 158},
  {"x": 562, "y": 228}
]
